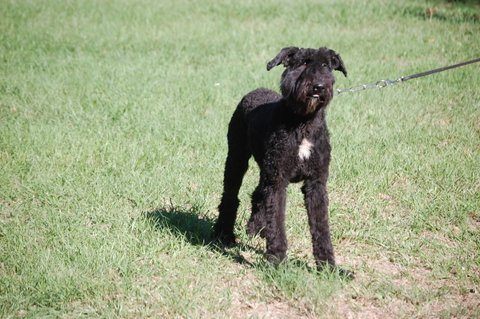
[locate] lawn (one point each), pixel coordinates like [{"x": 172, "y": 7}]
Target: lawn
[{"x": 113, "y": 119}]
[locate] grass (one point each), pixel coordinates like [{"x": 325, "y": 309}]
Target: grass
[{"x": 113, "y": 118}]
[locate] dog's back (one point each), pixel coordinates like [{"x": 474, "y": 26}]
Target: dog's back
[
  {"x": 259, "y": 97},
  {"x": 251, "y": 119}
]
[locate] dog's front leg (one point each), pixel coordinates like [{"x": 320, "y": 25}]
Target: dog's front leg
[
  {"x": 274, "y": 201},
  {"x": 316, "y": 202}
]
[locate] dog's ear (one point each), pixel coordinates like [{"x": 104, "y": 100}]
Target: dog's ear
[
  {"x": 337, "y": 63},
  {"x": 282, "y": 57}
]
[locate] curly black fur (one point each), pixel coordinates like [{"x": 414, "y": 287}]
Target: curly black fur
[{"x": 288, "y": 137}]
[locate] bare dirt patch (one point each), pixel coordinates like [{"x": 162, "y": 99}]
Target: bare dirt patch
[
  {"x": 383, "y": 288},
  {"x": 251, "y": 299}
]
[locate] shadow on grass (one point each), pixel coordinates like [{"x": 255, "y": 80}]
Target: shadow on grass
[
  {"x": 185, "y": 223},
  {"x": 460, "y": 11},
  {"x": 189, "y": 225}
]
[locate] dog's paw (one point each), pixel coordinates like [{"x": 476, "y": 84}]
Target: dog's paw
[
  {"x": 276, "y": 260},
  {"x": 224, "y": 239}
]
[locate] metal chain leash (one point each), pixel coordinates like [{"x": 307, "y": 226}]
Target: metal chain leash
[
  {"x": 384, "y": 83},
  {"x": 367, "y": 86}
]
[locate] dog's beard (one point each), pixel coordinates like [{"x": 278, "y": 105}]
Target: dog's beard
[
  {"x": 316, "y": 101},
  {"x": 305, "y": 101},
  {"x": 312, "y": 104},
  {"x": 305, "y": 105}
]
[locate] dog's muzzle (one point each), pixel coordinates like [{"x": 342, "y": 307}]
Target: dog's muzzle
[{"x": 318, "y": 92}]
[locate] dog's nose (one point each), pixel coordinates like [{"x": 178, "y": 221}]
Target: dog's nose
[{"x": 317, "y": 88}]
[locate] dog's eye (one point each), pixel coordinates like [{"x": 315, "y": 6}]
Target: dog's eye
[{"x": 324, "y": 64}]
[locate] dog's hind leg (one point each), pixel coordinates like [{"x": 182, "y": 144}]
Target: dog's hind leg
[
  {"x": 235, "y": 167},
  {"x": 256, "y": 224}
]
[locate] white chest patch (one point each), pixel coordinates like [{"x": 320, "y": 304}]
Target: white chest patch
[{"x": 305, "y": 149}]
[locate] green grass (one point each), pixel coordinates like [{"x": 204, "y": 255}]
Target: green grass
[{"x": 113, "y": 117}]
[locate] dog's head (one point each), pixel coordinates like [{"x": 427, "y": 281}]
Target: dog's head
[{"x": 307, "y": 81}]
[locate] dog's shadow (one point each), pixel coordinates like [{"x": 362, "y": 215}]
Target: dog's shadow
[
  {"x": 186, "y": 223},
  {"x": 196, "y": 229}
]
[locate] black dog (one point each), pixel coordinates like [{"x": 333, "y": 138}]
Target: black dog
[{"x": 288, "y": 137}]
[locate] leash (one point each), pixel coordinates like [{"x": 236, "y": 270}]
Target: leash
[{"x": 384, "y": 83}]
